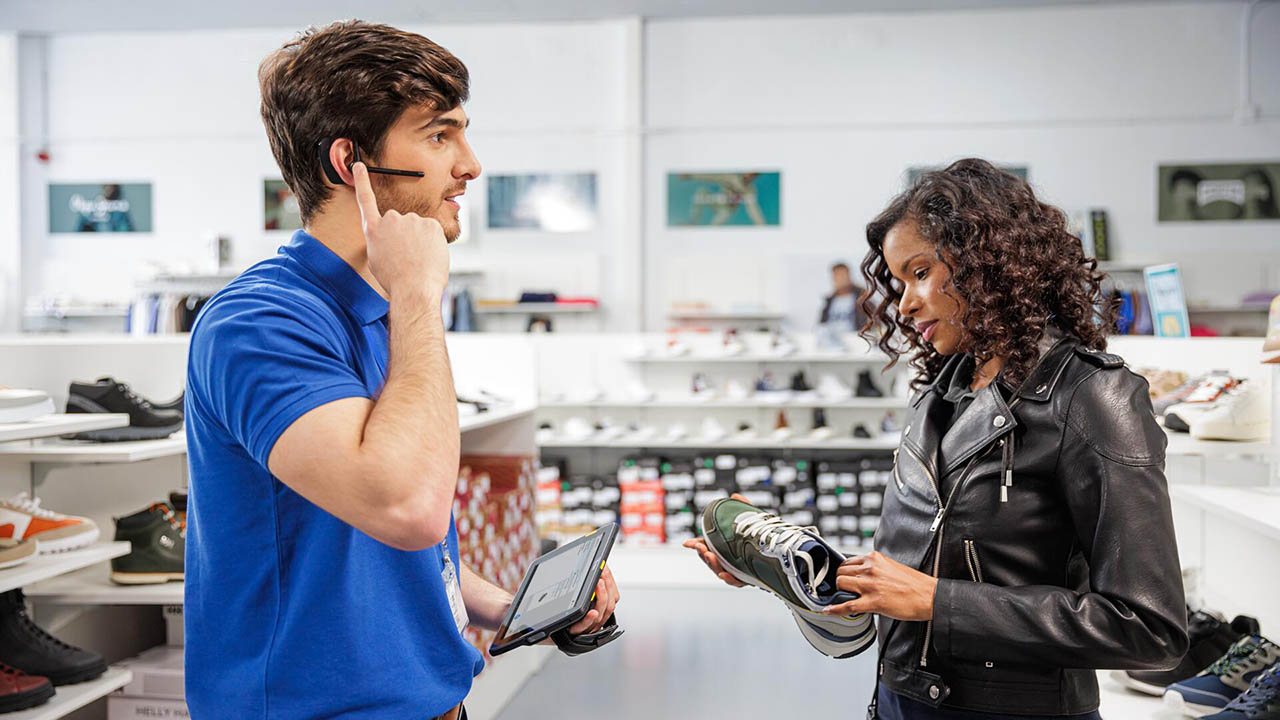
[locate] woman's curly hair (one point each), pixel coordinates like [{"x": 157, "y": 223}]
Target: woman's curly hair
[{"x": 1012, "y": 262}]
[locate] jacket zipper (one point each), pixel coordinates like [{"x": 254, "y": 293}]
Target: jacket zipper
[{"x": 971, "y": 559}]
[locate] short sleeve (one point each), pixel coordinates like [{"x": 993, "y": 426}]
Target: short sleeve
[{"x": 258, "y": 363}]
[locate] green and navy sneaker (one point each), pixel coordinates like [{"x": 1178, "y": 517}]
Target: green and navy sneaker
[
  {"x": 1260, "y": 702},
  {"x": 1220, "y": 683},
  {"x": 792, "y": 562}
]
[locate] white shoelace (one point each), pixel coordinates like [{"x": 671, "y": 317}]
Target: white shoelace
[
  {"x": 28, "y": 504},
  {"x": 777, "y": 535}
]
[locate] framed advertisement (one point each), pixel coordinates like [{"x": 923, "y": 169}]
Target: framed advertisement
[
  {"x": 1232, "y": 192},
  {"x": 724, "y": 199},
  {"x": 99, "y": 207},
  {"x": 279, "y": 207},
  {"x": 553, "y": 202},
  {"x": 1168, "y": 304}
]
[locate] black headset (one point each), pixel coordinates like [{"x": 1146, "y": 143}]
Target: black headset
[{"x": 331, "y": 172}]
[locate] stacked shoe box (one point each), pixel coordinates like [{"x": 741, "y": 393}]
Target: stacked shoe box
[
  {"x": 714, "y": 477},
  {"x": 642, "y": 507},
  {"x": 678, "y": 489},
  {"x": 799, "y": 492},
  {"x": 837, "y": 503},
  {"x": 157, "y": 688},
  {"x": 548, "y": 515},
  {"x": 493, "y": 510},
  {"x": 754, "y": 479},
  {"x": 577, "y": 495},
  {"x": 874, "y": 475}
]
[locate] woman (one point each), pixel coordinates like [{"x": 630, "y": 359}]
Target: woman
[{"x": 1027, "y": 538}]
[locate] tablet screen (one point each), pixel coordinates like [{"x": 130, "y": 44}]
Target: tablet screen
[{"x": 553, "y": 587}]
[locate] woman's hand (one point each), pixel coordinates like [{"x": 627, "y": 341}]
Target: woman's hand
[
  {"x": 710, "y": 559},
  {"x": 886, "y": 586}
]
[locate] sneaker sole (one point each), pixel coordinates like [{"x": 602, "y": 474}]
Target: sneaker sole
[
  {"x": 72, "y": 542},
  {"x": 1145, "y": 688},
  {"x": 28, "y": 699},
  {"x": 77, "y": 676},
  {"x": 125, "y": 434},
  {"x": 1175, "y": 701},
  {"x": 1243, "y": 433},
  {"x": 835, "y": 646},
  {"x": 136, "y": 578}
]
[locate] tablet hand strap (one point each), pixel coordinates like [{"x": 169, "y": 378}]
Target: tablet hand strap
[{"x": 572, "y": 645}]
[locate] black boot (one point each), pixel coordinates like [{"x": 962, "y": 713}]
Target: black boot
[
  {"x": 866, "y": 388},
  {"x": 27, "y": 647}
]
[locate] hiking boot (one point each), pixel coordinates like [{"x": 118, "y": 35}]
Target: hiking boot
[
  {"x": 27, "y": 647},
  {"x": 159, "y": 541},
  {"x": 793, "y": 563}
]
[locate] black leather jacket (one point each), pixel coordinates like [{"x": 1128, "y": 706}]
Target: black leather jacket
[{"x": 1057, "y": 553}]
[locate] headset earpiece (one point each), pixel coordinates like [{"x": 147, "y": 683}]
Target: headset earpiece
[{"x": 322, "y": 154}]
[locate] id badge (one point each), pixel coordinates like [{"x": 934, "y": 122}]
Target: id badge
[{"x": 453, "y": 589}]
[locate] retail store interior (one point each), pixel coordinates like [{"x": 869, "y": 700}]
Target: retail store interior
[{"x": 636, "y": 302}]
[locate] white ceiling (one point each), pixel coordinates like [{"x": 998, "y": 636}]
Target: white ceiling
[{"x": 108, "y": 15}]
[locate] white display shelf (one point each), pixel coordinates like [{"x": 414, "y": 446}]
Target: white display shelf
[
  {"x": 92, "y": 586},
  {"x": 1255, "y": 508},
  {"x": 46, "y": 566},
  {"x": 70, "y": 698},
  {"x": 860, "y": 358},
  {"x": 760, "y": 443},
  {"x": 886, "y": 403},
  {"x": 726, "y": 316},
  {"x": 80, "y": 451},
  {"x": 535, "y": 308},
  {"x": 1183, "y": 444},
  {"x": 60, "y": 424},
  {"x": 494, "y": 416}
]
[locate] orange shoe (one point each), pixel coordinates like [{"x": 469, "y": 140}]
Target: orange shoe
[{"x": 22, "y": 518}]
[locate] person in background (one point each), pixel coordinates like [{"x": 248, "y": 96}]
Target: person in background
[{"x": 840, "y": 310}]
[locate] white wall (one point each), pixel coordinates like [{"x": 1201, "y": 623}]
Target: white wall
[
  {"x": 10, "y": 232},
  {"x": 1090, "y": 98},
  {"x": 181, "y": 110}
]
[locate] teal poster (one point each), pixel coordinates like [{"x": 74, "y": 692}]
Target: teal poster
[
  {"x": 1168, "y": 305},
  {"x": 105, "y": 207},
  {"x": 724, "y": 199}
]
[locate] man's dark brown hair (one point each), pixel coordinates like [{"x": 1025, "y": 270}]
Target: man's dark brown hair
[{"x": 351, "y": 79}]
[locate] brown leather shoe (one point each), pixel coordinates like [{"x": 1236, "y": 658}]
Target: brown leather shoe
[{"x": 19, "y": 691}]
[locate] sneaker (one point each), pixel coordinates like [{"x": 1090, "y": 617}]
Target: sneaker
[
  {"x": 1260, "y": 702},
  {"x": 15, "y": 552},
  {"x": 1211, "y": 637},
  {"x": 1161, "y": 402},
  {"x": 642, "y": 432},
  {"x": 677, "y": 432},
  {"x": 1271, "y": 345},
  {"x": 146, "y": 421},
  {"x": 23, "y": 405},
  {"x": 713, "y": 431},
  {"x": 576, "y": 428},
  {"x": 546, "y": 434},
  {"x": 22, "y": 518},
  {"x": 1241, "y": 413},
  {"x": 768, "y": 390},
  {"x": 1227, "y": 677},
  {"x": 159, "y": 541},
  {"x": 177, "y": 404},
  {"x": 831, "y": 388},
  {"x": 801, "y": 390},
  {"x": 781, "y": 430},
  {"x": 27, "y": 647},
  {"x": 745, "y": 432},
  {"x": 675, "y": 348},
  {"x": 607, "y": 430},
  {"x": 820, "y": 431},
  {"x": 867, "y": 388},
  {"x": 861, "y": 432},
  {"x": 781, "y": 346},
  {"x": 639, "y": 393},
  {"x": 19, "y": 691},
  {"x": 736, "y": 390},
  {"x": 701, "y": 388},
  {"x": 178, "y": 501},
  {"x": 793, "y": 563},
  {"x": 890, "y": 425},
  {"x": 1202, "y": 398},
  {"x": 731, "y": 345}
]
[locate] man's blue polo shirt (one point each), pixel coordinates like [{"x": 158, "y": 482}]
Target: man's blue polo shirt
[{"x": 290, "y": 612}]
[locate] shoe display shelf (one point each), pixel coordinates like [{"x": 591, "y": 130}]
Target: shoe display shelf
[
  {"x": 70, "y": 698},
  {"x": 870, "y": 403},
  {"x": 537, "y": 309},
  {"x": 729, "y": 444},
  {"x": 763, "y": 358}
]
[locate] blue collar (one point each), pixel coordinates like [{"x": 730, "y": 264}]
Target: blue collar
[{"x": 343, "y": 282}]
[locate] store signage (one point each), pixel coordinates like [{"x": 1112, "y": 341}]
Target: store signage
[
  {"x": 1168, "y": 304},
  {"x": 1230, "y": 192},
  {"x": 724, "y": 199},
  {"x": 99, "y": 207}
]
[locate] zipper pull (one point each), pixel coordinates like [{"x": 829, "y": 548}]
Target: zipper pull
[
  {"x": 937, "y": 520},
  {"x": 1004, "y": 493}
]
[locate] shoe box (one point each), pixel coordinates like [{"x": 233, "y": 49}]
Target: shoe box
[
  {"x": 156, "y": 690},
  {"x": 641, "y": 507},
  {"x": 681, "y": 522}
]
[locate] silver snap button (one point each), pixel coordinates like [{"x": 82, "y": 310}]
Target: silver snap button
[
  {"x": 999, "y": 421},
  {"x": 934, "y": 692},
  {"x": 1042, "y": 388},
  {"x": 907, "y": 431},
  {"x": 990, "y": 664}
]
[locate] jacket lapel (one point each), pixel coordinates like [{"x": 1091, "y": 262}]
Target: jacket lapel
[{"x": 987, "y": 418}]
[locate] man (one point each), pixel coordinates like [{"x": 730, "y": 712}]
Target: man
[
  {"x": 322, "y": 559},
  {"x": 840, "y": 309}
]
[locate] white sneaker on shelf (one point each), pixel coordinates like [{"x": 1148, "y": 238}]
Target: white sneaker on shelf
[
  {"x": 638, "y": 392},
  {"x": 732, "y": 345},
  {"x": 701, "y": 388},
  {"x": 831, "y": 388},
  {"x": 676, "y": 348},
  {"x": 713, "y": 431},
  {"x": 768, "y": 390},
  {"x": 18, "y": 405},
  {"x": 1211, "y": 388},
  {"x": 677, "y": 432},
  {"x": 578, "y": 429},
  {"x": 736, "y": 390},
  {"x": 608, "y": 430},
  {"x": 642, "y": 432},
  {"x": 782, "y": 346},
  {"x": 546, "y": 434},
  {"x": 1241, "y": 413},
  {"x": 890, "y": 426}
]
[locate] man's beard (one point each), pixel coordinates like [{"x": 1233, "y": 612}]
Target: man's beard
[{"x": 389, "y": 198}]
